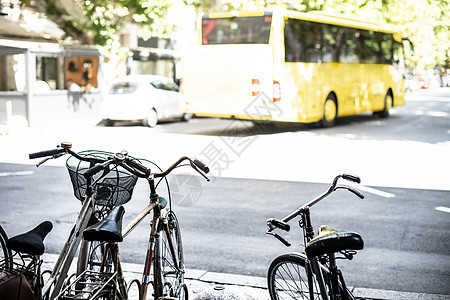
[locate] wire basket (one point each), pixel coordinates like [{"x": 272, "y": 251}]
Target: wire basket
[{"x": 114, "y": 189}]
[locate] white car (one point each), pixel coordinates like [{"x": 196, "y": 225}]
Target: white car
[{"x": 149, "y": 98}]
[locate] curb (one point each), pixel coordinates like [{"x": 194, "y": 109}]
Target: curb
[{"x": 204, "y": 285}]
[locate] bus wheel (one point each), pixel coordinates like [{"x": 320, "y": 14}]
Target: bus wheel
[
  {"x": 329, "y": 111},
  {"x": 388, "y": 100}
]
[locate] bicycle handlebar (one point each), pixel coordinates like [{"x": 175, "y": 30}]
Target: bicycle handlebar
[
  {"x": 282, "y": 224},
  {"x": 46, "y": 153},
  {"x": 138, "y": 169},
  {"x": 60, "y": 150}
]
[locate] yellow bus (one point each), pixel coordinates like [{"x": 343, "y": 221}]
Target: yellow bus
[{"x": 290, "y": 66}]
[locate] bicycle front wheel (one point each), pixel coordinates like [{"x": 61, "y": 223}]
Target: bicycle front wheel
[
  {"x": 5, "y": 252},
  {"x": 290, "y": 278},
  {"x": 169, "y": 281}
]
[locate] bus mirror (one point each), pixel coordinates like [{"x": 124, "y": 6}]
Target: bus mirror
[{"x": 411, "y": 46}]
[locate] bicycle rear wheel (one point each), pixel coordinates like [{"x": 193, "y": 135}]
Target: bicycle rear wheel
[
  {"x": 91, "y": 257},
  {"x": 94, "y": 256},
  {"x": 169, "y": 282},
  {"x": 287, "y": 278},
  {"x": 5, "y": 252}
]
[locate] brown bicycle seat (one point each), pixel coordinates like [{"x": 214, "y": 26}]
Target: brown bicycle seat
[
  {"x": 331, "y": 240},
  {"x": 107, "y": 230},
  {"x": 31, "y": 242}
]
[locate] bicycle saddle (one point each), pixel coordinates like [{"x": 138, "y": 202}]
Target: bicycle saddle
[
  {"x": 31, "y": 242},
  {"x": 331, "y": 240},
  {"x": 107, "y": 230}
]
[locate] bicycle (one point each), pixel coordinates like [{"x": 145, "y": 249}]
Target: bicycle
[
  {"x": 103, "y": 277},
  {"x": 313, "y": 274},
  {"x": 20, "y": 263}
]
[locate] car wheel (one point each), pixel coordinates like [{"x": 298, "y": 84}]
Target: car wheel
[
  {"x": 152, "y": 118},
  {"x": 186, "y": 117},
  {"x": 109, "y": 122}
]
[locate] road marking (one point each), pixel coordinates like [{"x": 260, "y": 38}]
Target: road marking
[
  {"x": 443, "y": 208},
  {"x": 20, "y": 173},
  {"x": 374, "y": 191}
]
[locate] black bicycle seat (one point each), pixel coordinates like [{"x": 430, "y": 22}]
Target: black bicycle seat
[
  {"x": 31, "y": 242},
  {"x": 107, "y": 230},
  {"x": 331, "y": 240}
]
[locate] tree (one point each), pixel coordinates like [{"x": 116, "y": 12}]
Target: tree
[
  {"x": 425, "y": 22},
  {"x": 98, "y": 22}
]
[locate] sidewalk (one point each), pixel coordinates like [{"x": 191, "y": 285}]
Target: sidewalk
[{"x": 204, "y": 285}]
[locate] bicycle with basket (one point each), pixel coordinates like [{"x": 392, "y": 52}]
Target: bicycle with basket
[
  {"x": 21, "y": 273},
  {"x": 103, "y": 276}
]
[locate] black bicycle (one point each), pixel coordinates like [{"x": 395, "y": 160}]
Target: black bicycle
[{"x": 313, "y": 274}]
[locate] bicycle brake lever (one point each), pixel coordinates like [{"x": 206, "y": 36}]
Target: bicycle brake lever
[
  {"x": 350, "y": 189},
  {"x": 194, "y": 166},
  {"x": 286, "y": 243},
  {"x": 48, "y": 158}
]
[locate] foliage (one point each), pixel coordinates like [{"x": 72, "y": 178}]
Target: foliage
[
  {"x": 425, "y": 22},
  {"x": 98, "y": 22}
]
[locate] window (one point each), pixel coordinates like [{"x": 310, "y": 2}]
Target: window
[
  {"x": 164, "y": 85},
  {"x": 237, "y": 30},
  {"x": 12, "y": 68},
  {"x": 315, "y": 42},
  {"x": 123, "y": 88},
  {"x": 47, "y": 70}
]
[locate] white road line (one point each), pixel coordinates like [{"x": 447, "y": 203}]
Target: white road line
[
  {"x": 374, "y": 191},
  {"x": 443, "y": 208},
  {"x": 20, "y": 173}
]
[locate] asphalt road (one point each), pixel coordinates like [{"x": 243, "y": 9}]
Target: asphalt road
[{"x": 404, "y": 220}]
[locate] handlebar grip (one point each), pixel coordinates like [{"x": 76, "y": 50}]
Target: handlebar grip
[
  {"x": 357, "y": 193},
  {"x": 46, "y": 153},
  {"x": 279, "y": 224},
  {"x": 351, "y": 177},
  {"x": 137, "y": 165},
  {"x": 92, "y": 171},
  {"x": 201, "y": 166}
]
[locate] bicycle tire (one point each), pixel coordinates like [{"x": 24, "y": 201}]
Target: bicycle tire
[
  {"x": 295, "y": 286},
  {"x": 5, "y": 252},
  {"x": 287, "y": 278},
  {"x": 169, "y": 282}
]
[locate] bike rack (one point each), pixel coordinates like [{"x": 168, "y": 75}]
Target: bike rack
[{"x": 93, "y": 283}]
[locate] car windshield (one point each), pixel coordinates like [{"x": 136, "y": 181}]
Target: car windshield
[
  {"x": 164, "y": 85},
  {"x": 123, "y": 88}
]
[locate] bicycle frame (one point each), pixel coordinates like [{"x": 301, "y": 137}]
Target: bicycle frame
[
  {"x": 154, "y": 234},
  {"x": 62, "y": 265},
  {"x": 157, "y": 226}
]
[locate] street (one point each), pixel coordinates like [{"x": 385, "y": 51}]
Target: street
[{"x": 258, "y": 172}]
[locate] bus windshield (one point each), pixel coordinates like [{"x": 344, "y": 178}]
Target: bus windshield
[{"x": 236, "y": 30}]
